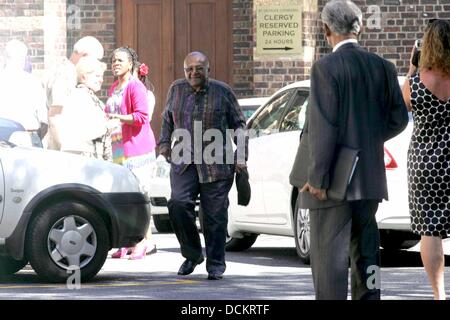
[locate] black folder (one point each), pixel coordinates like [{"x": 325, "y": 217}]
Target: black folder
[{"x": 342, "y": 172}]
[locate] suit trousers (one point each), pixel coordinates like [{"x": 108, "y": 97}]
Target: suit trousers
[
  {"x": 337, "y": 233},
  {"x": 214, "y": 203}
]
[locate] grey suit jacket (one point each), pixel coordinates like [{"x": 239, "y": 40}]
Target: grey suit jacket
[{"x": 363, "y": 88}]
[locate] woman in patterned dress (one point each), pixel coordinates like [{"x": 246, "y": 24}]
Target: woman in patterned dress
[{"x": 427, "y": 94}]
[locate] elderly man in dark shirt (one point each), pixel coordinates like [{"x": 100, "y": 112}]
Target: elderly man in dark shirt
[{"x": 202, "y": 115}]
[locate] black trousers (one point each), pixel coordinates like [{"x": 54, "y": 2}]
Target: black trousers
[
  {"x": 338, "y": 233},
  {"x": 214, "y": 203}
]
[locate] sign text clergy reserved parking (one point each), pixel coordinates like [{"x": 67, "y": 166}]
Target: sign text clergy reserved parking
[{"x": 278, "y": 30}]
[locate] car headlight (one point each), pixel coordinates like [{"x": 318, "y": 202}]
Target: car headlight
[{"x": 162, "y": 167}]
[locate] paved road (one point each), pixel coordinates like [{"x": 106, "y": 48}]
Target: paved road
[{"x": 270, "y": 270}]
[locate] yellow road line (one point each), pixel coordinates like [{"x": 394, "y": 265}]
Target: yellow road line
[{"x": 85, "y": 286}]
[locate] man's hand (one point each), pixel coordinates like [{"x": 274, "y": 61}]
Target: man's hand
[
  {"x": 165, "y": 152},
  {"x": 239, "y": 167},
  {"x": 320, "y": 194}
]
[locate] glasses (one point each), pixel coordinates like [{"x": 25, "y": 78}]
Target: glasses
[{"x": 196, "y": 68}]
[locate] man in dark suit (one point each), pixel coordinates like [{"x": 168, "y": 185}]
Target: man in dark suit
[{"x": 355, "y": 101}]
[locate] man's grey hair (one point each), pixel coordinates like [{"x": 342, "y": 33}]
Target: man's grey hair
[
  {"x": 89, "y": 46},
  {"x": 200, "y": 54},
  {"x": 342, "y": 17}
]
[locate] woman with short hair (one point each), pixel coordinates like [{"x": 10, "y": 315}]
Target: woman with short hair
[{"x": 83, "y": 121}]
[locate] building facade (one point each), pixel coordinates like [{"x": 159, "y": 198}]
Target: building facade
[{"x": 231, "y": 32}]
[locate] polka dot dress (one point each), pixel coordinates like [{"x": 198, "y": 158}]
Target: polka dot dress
[{"x": 428, "y": 163}]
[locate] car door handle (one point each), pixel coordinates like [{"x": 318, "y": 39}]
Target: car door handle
[{"x": 1, "y": 198}]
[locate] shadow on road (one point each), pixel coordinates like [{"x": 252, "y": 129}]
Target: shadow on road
[
  {"x": 287, "y": 257},
  {"x": 164, "y": 286}
]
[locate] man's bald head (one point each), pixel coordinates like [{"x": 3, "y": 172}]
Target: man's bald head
[
  {"x": 196, "y": 69},
  {"x": 200, "y": 56}
]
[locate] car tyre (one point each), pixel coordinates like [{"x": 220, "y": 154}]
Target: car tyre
[
  {"x": 240, "y": 244},
  {"x": 302, "y": 233},
  {"x": 67, "y": 236},
  {"x": 10, "y": 266},
  {"x": 162, "y": 223}
]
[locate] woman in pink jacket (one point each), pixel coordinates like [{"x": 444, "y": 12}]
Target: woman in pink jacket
[{"x": 133, "y": 142}]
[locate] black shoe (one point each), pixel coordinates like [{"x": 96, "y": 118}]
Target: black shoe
[
  {"x": 215, "y": 276},
  {"x": 188, "y": 266}
]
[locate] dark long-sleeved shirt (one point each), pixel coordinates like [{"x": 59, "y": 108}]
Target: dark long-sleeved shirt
[{"x": 192, "y": 115}]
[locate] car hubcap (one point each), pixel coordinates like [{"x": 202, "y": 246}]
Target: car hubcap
[
  {"x": 72, "y": 242},
  {"x": 303, "y": 230}
]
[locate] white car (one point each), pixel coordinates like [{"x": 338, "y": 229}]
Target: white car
[
  {"x": 62, "y": 212},
  {"x": 250, "y": 105},
  {"x": 273, "y": 206},
  {"x": 160, "y": 188}
]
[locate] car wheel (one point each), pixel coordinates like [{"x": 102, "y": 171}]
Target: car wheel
[
  {"x": 162, "y": 223},
  {"x": 240, "y": 244},
  {"x": 10, "y": 266},
  {"x": 302, "y": 234},
  {"x": 66, "y": 237}
]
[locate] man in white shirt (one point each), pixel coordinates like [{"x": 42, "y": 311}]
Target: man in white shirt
[{"x": 22, "y": 97}]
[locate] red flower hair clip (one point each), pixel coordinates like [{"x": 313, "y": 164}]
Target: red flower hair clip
[{"x": 143, "y": 70}]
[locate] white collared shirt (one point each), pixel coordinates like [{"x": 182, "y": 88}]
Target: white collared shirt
[
  {"x": 22, "y": 98},
  {"x": 340, "y": 44}
]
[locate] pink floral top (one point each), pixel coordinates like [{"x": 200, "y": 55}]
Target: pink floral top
[{"x": 137, "y": 138}]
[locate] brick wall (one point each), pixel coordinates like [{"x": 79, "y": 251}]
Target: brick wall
[
  {"x": 243, "y": 65},
  {"x": 51, "y": 27},
  {"x": 55, "y": 37},
  {"x": 392, "y": 26},
  {"x": 93, "y": 18},
  {"x": 23, "y": 27},
  {"x": 390, "y": 29},
  {"x": 255, "y": 76}
]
